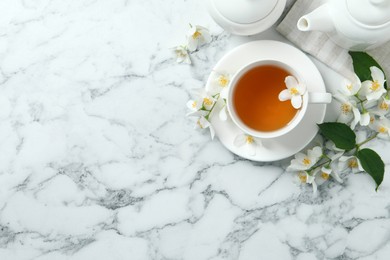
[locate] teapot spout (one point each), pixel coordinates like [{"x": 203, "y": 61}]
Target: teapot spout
[{"x": 317, "y": 20}]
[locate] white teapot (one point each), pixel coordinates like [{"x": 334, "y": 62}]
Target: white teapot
[{"x": 352, "y": 24}]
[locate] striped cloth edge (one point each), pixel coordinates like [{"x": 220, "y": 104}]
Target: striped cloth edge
[{"x": 320, "y": 46}]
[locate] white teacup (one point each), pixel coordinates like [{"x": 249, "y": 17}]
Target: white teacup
[{"x": 307, "y": 97}]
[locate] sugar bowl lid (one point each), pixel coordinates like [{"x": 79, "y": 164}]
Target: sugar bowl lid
[
  {"x": 370, "y": 12},
  {"x": 246, "y": 17}
]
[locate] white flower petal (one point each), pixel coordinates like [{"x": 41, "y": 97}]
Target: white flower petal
[
  {"x": 384, "y": 136},
  {"x": 360, "y": 168},
  {"x": 240, "y": 140},
  {"x": 212, "y": 132},
  {"x": 314, "y": 184},
  {"x": 284, "y": 95},
  {"x": 315, "y": 153},
  {"x": 208, "y": 102},
  {"x": 310, "y": 179},
  {"x": 190, "y": 104},
  {"x": 345, "y": 118},
  {"x": 361, "y": 136},
  {"x": 336, "y": 176},
  {"x": 295, "y": 162},
  {"x": 356, "y": 80},
  {"x": 201, "y": 28},
  {"x": 345, "y": 158},
  {"x": 382, "y": 108},
  {"x": 356, "y": 117},
  {"x": 365, "y": 89},
  {"x": 203, "y": 123},
  {"x": 192, "y": 44},
  {"x": 319, "y": 180},
  {"x": 179, "y": 59},
  {"x": 300, "y": 156},
  {"x": 182, "y": 54},
  {"x": 341, "y": 98},
  {"x": 291, "y": 82},
  {"x": 296, "y": 167},
  {"x": 224, "y": 93},
  {"x": 375, "y": 95},
  {"x": 365, "y": 119},
  {"x": 187, "y": 59},
  {"x": 356, "y": 85},
  {"x": 206, "y": 36},
  {"x": 223, "y": 116},
  {"x": 296, "y": 101},
  {"x": 191, "y": 31},
  {"x": 351, "y": 88},
  {"x": 318, "y": 177},
  {"x": 377, "y": 74},
  {"x": 301, "y": 89},
  {"x": 251, "y": 149},
  {"x": 345, "y": 89},
  {"x": 337, "y": 155},
  {"x": 197, "y": 113},
  {"x": 326, "y": 170}
]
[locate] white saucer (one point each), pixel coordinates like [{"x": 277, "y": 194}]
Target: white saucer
[{"x": 291, "y": 143}]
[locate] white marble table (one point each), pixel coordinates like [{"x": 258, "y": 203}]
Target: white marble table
[{"x": 98, "y": 161}]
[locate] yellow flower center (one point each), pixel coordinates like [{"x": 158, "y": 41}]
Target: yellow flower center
[
  {"x": 383, "y": 130},
  {"x": 375, "y": 85},
  {"x": 372, "y": 119},
  {"x": 352, "y": 163},
  {"x": 194, "y": 104},
  {"x": 207, "y": 102},
  {"x": 384, "y": 106},
  {"x": 302, "y": 177},
  {"x": 306, "y": 161},
  {"x": 223, "y": 81},
  {"x": 349, "y": 87},
  {"x": 346, "y": 108},
  {"x": 181, "y": 53},
  {"x": 249, "y": 139},
  {"x": 294, "y": 91},
  {"x": 196, "y": 34},
  {"x": 324, "y": 175},
  {"x": 199, "y": 124}
]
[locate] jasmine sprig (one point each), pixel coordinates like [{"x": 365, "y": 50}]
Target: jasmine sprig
[
  {"x": 205, "y": 102},
  {"x": 364, "y": 103},
  {"x": 196, "y": 37}
]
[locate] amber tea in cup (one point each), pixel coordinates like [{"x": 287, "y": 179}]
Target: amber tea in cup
[
  {"x": 256, "y": 98},
  {"x": 253, "y": 99}
]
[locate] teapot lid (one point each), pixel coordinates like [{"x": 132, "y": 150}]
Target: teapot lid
[
  {"x": 245, "y": 11},
  {"x": 370, "y": 12}
]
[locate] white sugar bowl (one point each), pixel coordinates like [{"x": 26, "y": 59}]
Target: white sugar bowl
[{"x": 246, "y": 17}]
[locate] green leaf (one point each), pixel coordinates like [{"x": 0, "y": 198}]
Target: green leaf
[
  {"x": 341, "y": 134},
  {"x": 362, "y": 63},
  {"x": 372, "y": 164}
]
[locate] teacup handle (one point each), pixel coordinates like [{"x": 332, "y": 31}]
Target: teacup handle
[{"x": 319, "y": 98}]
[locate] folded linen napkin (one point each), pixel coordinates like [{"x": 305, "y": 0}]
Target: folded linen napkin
[{"x": 320, "y": 46}]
